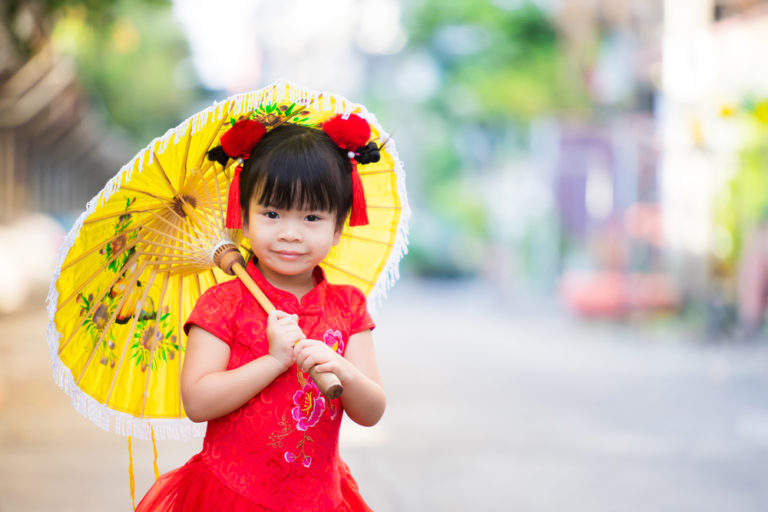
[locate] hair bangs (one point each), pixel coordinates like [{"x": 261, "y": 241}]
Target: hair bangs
[{"x": 296, "y": 167}]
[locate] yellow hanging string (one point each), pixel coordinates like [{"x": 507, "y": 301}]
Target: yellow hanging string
[
  {"x": 130, "y": 473},
  {"x": 154, "y": 448}
]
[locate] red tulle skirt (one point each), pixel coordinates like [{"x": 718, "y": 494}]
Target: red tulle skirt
[{"x": 193, "y": 488}]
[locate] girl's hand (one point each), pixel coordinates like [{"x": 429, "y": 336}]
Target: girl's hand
[
  {"x": 313, "y": 352},
  {"x": 282, "y": 332}
]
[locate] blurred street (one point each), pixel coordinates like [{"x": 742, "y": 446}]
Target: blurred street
[{"x": 494, "y": 405}]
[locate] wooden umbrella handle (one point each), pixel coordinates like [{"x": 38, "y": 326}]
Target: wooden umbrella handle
[{"x": 232, "y": 262}]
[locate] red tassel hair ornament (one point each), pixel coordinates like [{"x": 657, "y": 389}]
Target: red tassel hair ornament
[
  {"x": 238, "y": 142},
  {"x": 352, "y": 133},
  {"x": 234, "y": 214}
]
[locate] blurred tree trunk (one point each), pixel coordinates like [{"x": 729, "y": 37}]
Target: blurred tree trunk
[{"x": 51, "y": 146}]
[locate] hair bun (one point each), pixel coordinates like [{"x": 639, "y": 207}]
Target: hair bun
[
  {"x": 218, "y": 154},
  {"x": 368, "y": 154}
]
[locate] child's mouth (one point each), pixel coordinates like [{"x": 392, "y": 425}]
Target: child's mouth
[{"x": 289, "y": 255}]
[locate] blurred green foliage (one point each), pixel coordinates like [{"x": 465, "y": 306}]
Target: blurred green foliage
[
  {"x": 134, "y": 63},
  {"x": 499, "y": 67},
  {"x": 507, "y": 60},
  {"x": 131, "y": 57}
]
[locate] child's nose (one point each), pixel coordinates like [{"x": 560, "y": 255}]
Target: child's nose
[{"x": 290, "y": 234}]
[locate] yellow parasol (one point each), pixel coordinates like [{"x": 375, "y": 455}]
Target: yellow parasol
[{"x": 137, "y": 259}]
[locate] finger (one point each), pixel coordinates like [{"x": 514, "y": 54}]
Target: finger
[
  {"x": 285, "y": 318},
  {"x": 302, "y": 344},
  {"x": 324, "y": 367},
  {"x": 303, "y": 353},
  {"x": 289, "y": 321},
  {"x": 315, "y": 358},
  {"x": 300, "y": 359}
]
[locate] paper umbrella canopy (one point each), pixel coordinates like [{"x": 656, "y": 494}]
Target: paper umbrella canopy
[{"x": 137, "y": 259}]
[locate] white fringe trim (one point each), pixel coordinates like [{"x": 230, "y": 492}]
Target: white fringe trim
[{"x": 183, "y": 428}]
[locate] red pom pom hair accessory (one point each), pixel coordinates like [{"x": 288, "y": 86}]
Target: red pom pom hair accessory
[
  {"x": 352, "y": 133},
  {"x": 237, "y": 142}
]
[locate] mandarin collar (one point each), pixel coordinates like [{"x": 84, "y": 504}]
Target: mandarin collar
[{"x": 285, "y": 301}]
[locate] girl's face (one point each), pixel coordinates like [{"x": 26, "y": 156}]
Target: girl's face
[{"x": 290, "y": 243}]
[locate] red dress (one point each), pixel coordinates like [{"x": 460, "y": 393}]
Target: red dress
[{"x": 279, "y": 451}]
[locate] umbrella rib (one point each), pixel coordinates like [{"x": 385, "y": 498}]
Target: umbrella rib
[
  {"x": 209, "y": 206},
  {"x": 224, "y": 119},
  {"x": 209, "y": 196},
  {"x": 126, "y": 294},
  {"x": 165, "y": 175},
  {"x": 94, "y": 248},
  {"x": 213, "y": 276},
  {"x": 200, "y": 235},
  {"x": 167, "y": 236},
  {"x": 158, "y": 244},
  {"x": 364, "y": 239},
  {"x": 377, "y": 171},
  {"x": 183, "y": 255},
  {"x": 379, "y": 207},
  {"x": 147, "y": 193},
  {"x": 181, "y": 333},
  {"x": 91, "y": 220},
  {"x": 209, "y": 232},
  {"x": 213, "y": 211},
  {"x": 93, "y": 307},
  {"x": 183, "y": 173},
  {"x": 208, "y": 165},
  {"x": 152, "y": 351},
  {"x": 139, "y": 307},
  {"x": 98, "y": 271},
  {"x": 160, "y": 237},
  {"x": 222, "y": 211},
  {"x": 348, "y": 273},
  {"x": 163, "y": 258},
  {"x": 176, "y": 268}
]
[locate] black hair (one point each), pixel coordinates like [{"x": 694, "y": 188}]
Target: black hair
[{"x": 296, "y": 166}]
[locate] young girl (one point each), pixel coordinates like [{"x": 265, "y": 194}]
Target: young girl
[{"x": 272, "y": 438}]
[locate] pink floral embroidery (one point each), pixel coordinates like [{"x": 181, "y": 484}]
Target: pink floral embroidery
[
  {"x": 334, "y": 340},
  {"x": 306, "y": 460},
  {"x": 310, "y": 405}
]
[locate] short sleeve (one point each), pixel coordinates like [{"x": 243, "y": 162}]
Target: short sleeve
[
  {"x": 213, "y": 312},
  {"x": 361, "y": 319}
]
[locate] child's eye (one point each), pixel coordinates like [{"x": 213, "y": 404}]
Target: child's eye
[
  {"x": 271, "y": 215},
  {"x": 312, "y": 217}
]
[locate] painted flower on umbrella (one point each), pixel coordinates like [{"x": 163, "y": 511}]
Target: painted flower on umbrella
[
  {"x": 117, "y": 251},
  {"x": 96, "y": 318},
  {"x": 334, "y": 340},
  {"x": 154, "y": 340},
  {"x": 310, "y": 404}
]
